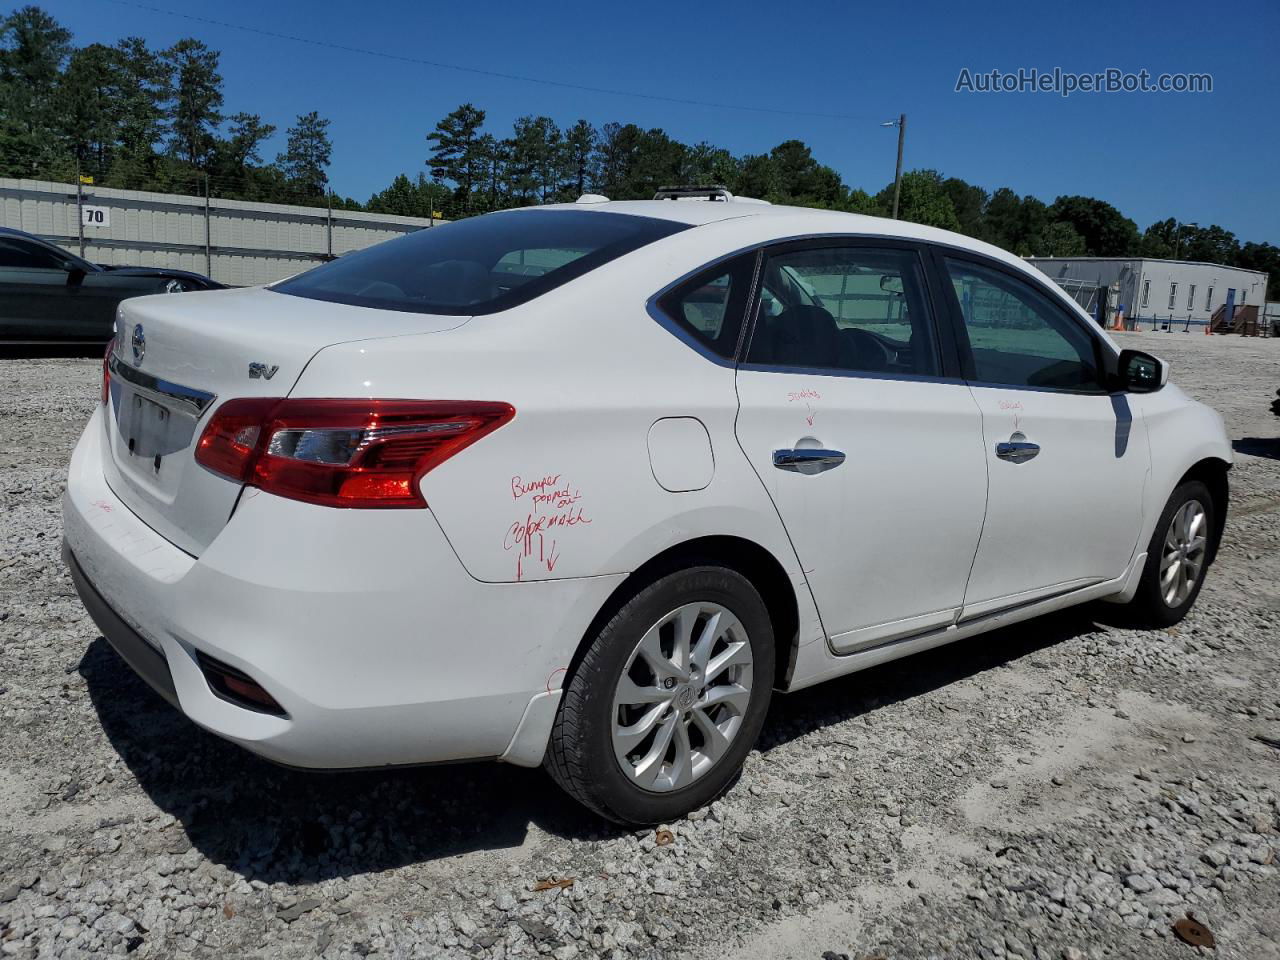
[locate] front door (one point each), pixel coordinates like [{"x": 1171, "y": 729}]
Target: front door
[
  {"x": 1066, "y": 460},
  {"x": 33, "y": 292},
  {"x": 46, "y": 294},
  {"x": 873, "y": 457}
]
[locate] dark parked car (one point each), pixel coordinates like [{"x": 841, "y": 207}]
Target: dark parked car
[{"x": 50, "y": 296}]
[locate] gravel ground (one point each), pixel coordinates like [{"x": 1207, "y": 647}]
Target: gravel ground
[{"x": 1063, "y": 788}]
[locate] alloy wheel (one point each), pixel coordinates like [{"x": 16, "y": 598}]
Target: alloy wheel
[
  {"x": 682, "y": 697},
  {"x": 1184, "y": 553}
]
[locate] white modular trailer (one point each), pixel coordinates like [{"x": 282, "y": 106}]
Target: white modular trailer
[{"x": 1181, "y": 291}]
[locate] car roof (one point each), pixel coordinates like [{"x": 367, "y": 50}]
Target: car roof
[
  {"x": 778, "y": 222},
  {"x": 48, "y": 245},
  {"x": 791, "y": 221}
]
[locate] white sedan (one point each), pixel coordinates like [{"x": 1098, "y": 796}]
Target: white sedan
[{"x": 581, "y": 485}]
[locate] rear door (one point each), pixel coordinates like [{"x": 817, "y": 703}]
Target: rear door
[
  {"x": 97, "y": 296},
  {"x": 865, "y": 436},
  {"x": 1066, "y": 461}
]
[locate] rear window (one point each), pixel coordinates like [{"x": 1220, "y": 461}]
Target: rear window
[{"x": 481, "y": 264}]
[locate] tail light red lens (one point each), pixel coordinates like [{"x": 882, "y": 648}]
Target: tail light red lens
[
  {"x": 106, "y": 371},
  {"x": 342, "y": 453},
  {"x": 229, "y": 443}
]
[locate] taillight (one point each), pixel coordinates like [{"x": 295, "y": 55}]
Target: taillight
[
  {"x": 342, "y": 453},
  {"x": 106, "y": 371}
]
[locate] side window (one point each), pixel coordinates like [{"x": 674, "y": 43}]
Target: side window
[
  {"x": 1018, "y": 336},
  {"x": 27, "y": 256},
  {"x": 709, "y": 306},
  {"x": 845, "y": 308}
]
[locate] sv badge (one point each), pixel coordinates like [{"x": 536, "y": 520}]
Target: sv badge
[{"x": 261, "y": 371}]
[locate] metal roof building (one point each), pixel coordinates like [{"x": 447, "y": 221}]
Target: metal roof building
[{"x": 1151, "y": 289}]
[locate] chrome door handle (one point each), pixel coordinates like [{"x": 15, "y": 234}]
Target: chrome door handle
[
  {"x": 1017, "y": 451},
  {"x": 807, "y": 460}
]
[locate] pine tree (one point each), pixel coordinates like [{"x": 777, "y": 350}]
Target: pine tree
[
  {"x": 88, "y": 100},
  {"x": 33, "y": 49},
  {"x": 197, "y": 100},
  {"x": 457, "y": 155},
  {"x": 578, "y": 173},
  {"x": 306, "y": 157},
  {"x": 144, "y": 93},
  {"x": 536, "y": 157}
]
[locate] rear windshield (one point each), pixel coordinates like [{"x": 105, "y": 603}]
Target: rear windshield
[{"x": 481, "y": 264}]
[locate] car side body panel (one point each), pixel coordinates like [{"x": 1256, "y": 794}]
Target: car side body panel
[{"x": 400, "y": 636}]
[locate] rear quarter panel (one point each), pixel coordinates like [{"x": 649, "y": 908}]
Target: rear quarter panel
[{"x": 566, "y": 489}]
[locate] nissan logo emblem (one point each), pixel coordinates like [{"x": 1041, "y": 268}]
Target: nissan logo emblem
[{"x": 139, "y": 342}]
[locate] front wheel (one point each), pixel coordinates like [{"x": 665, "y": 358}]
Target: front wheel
[
  {"x": 667, "y": 700},
  {"x": 1177, "y": 557}
]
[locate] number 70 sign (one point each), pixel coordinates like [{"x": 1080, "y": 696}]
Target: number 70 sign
[{"x": 95, "y": 216}]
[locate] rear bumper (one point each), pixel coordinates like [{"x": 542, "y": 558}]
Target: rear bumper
[
  {"x": 363, "y": 625},
  {"x": 147, "y": 662}
]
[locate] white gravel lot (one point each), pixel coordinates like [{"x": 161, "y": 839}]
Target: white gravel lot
[{"x": 1063, "y": 788}]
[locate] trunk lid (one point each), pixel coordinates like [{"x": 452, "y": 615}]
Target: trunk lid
[{"x": 177, "y": 357}]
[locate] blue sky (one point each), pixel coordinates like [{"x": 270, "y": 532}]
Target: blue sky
[{"x": 1209, "y": 158}]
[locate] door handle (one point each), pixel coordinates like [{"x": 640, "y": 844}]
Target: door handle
[
  {"x": 807, "y": 460},
  {"x": 1018, "y": 450}
]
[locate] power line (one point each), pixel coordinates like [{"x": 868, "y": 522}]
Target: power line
[{"x": 480, "y": 71}]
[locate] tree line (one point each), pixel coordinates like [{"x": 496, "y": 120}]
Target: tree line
[
  {"x": 475, "y": 171},
  {"x": 134, "y": 117}
]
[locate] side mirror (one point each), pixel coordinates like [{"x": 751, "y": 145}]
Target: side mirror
[
  {"x": 1140, "y": 372},
  {"x": 75, "y": 275}
]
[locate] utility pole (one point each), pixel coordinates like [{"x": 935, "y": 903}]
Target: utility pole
[
  {"x": 208, "y": 252},
  {"x": 328, "y": 196},
  {"x": 1177, "y": 237},
  {"x": 80, "y": 208},
  {"x": 901, "y": 124}
]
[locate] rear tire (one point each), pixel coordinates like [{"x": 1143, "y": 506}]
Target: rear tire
[
  {"x": 668, "y": 699},
  {"x": 1177, "y": 558}
]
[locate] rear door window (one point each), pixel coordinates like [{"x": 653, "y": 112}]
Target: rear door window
[
  {"x": 707, "y": 308},
  {"x": 852, "y": 308},
  {"x": 479, "y": 265}
]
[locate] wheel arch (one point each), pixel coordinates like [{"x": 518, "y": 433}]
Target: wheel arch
[
  {"x": 1212, "y": 472},
  {"x": 744, "y": 556}
]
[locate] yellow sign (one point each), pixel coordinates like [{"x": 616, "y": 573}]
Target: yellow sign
[{"x": 84, "y": 178}]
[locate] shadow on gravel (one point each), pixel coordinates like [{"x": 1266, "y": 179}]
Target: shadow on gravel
[
  {"x": 1258, "y": 446},
  {"x": 845, "y": 698},
  {"x": 273, "y": 824}
]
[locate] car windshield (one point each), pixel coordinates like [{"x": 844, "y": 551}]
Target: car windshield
[{"x": 481, "y": 264}]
